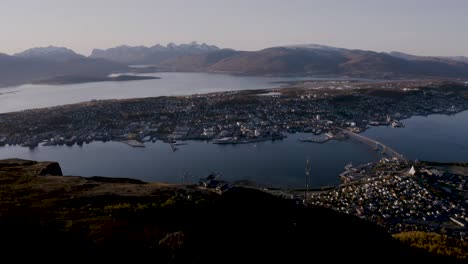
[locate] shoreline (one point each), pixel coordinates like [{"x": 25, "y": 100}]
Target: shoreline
[
  {"x": 246, "y": 141},
  {"x": 132, "y": 143}
]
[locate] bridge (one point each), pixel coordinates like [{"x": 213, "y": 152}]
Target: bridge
[{"x": 385, "y": 149}]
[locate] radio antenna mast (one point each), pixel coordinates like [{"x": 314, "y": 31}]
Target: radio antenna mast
[{"x": 307, "y": 174}]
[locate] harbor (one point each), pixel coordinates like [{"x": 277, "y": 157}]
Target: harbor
[{"x": 284, "y": 158}]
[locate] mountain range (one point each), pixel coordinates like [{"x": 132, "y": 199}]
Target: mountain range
[
  {"x": 50, "y": 53},
  {"x": 306, "y": 60},
  {"x": 151, "y": 55},
  {"x": 297, "y": 60}
]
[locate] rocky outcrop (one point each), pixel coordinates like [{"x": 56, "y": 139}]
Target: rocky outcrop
[
  {"x": 20, "y": 166},
  {"x": 50, "y": 168}
]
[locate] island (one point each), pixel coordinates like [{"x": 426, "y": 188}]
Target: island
[
  {"x": 72, "y": 79},
  {"x": 326, "y": 109}
]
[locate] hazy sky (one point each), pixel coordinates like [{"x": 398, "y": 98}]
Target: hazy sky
[{"x": 424, "y": 27}]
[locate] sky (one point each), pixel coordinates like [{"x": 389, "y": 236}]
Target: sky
[{"x": 421, "y": 27}]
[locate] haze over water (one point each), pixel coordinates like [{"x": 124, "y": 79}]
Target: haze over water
[{"x": 173, "y": 83}]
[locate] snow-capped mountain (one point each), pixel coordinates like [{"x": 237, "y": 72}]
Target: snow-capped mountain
[
  {"x": 311, "y": 46},
  {"x": 151, "y": 55},
  {"x": 49, "y": 53}
]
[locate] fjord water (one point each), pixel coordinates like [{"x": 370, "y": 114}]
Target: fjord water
[
  {"x": 438, "y": 137},
  {"x": 171, "y": 83},
  {"x": 278, "y": 163}
]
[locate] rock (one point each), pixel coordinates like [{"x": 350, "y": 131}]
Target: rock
[{"x": 50, "y": 168}]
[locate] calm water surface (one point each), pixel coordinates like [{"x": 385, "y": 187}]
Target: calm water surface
[
  {"x": 434, "y": 138},
  {"x": 278, "y": 163},
  {"x": 173, "y": 83}
]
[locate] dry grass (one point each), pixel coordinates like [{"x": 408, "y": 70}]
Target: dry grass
[{"x": 435, "y": 243}]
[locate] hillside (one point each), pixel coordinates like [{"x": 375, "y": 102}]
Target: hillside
[
  {"x": 80, "y": 218},
  {"x": 151, "y": 55},
  {"x": 16, "y": 70},
  {"x": 319, "y": 60},
  {"x": 45, "y": 63},
  {"x": 50, "y": 53},
  {"x": 309, "y": 59}
]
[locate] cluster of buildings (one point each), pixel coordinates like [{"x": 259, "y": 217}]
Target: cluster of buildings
[
  {"x": 411, "y": 199},
  {"x": 233, "y": 117}
]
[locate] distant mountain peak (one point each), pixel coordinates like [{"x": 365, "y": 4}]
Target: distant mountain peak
[
  {"x": 171, "y": 45},
  {"x": 462, "y": 59},
  {"x": 404, "y": 56},
  {"x": 311, "y": 46},
  {"x": 45, "y": 50},
  {"x": 50, "y": 52},
  {"x": 153, "y": 54}
]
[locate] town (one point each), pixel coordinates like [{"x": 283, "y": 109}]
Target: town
[
  {"x": 321, "y": 108},
  {"x": 423, "y": 198}
]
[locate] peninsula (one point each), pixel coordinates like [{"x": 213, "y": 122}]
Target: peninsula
[
  {"x": 317, "y": 107},
  {"x": 58, "y": 80}
]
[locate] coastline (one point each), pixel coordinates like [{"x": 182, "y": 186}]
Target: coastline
[
  {"x": 133, "y": 143},
  {"x": 64, "y": 80},
  {"x": 246, "y": 141}
]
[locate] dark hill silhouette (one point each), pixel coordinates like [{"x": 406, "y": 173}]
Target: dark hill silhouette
[
  {"x": 20, "y": 70},
  {"x": 56, "y": 218}
]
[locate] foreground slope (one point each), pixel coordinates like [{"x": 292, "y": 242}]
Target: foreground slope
[{"x": 50, "y": 216}]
